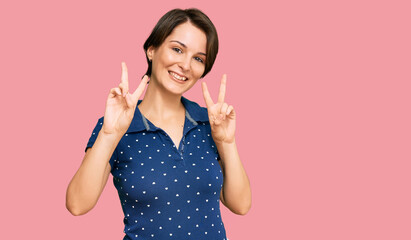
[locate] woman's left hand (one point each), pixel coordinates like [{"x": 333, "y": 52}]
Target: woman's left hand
[{"x": 220, "y": 114}]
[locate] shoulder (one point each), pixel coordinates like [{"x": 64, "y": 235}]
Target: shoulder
[
  {"x": 189, "y": 103},
  {"x": 99, "y": 123},
  {"x": 101, "y": 119},
  {"x": 197, "y": 112}
]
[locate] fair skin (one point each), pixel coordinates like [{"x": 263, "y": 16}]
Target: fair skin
[
  {"x": 161, "y": 104},
  {"x": 180, "y": 56}
]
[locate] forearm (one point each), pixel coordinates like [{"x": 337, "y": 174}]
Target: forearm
[
  {"x": 87, "y": 184},
  {"x": 236, "y": 186}
]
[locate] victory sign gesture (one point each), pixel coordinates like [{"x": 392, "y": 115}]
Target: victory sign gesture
[
  {"x": 220, "y": 114},
  {"x": 121, "y": 105}
]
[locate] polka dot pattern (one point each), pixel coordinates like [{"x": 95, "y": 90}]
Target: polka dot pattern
[{"x": 168, "y": 192}]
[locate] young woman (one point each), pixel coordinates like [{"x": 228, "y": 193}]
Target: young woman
[{"x": 172, "y": 161}]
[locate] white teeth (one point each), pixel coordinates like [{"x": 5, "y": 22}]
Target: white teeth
[{"x": 178, "y": 77}]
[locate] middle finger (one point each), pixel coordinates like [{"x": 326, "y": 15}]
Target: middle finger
[{"x": 221, "y": 95}]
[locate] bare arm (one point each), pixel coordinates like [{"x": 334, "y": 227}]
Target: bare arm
[
  {"x": 236, "y": 191},
  {"x": 90, "y": 179}
]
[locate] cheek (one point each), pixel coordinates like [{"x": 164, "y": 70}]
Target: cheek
[
  {"x": 198, "y": 69},
  {"x": 164, "y": 59},
  {"x": 168, "y": 58}
]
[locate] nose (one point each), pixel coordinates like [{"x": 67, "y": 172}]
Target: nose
[{"x": 184, "y": 63}]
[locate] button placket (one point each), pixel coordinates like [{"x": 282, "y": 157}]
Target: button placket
[
  {"x": 178, "y": 153},
  {"x": 181, "y": 151}
]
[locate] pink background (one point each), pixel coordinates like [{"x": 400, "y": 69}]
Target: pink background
[{"x": 321, "y": 90}]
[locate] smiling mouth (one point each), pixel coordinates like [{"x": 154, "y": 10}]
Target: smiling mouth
[{"x": 177, "y": 77}]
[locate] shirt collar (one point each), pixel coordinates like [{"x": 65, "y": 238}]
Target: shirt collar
[{"x": 194, "y": 112}]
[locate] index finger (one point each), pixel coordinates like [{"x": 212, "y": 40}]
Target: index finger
[
  {"x": 207, "y": 98},
  {"x": 221, "y": 95}
]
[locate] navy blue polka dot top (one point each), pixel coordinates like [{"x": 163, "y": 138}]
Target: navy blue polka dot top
[{"x": 165, "y": 192}]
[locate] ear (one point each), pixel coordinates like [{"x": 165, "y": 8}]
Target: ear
[{"x": 150, "y": 52}]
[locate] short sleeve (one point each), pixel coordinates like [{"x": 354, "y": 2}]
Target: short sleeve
[{"x": 93, "y": 138}]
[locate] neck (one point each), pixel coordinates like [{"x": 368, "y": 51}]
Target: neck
[{"x": 160, "y": 104}]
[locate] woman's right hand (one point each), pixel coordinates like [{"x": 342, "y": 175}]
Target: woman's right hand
[{"x": 120, "y": 105}]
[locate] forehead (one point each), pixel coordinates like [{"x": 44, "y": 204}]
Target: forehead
[{"x": 190, "y": 35}]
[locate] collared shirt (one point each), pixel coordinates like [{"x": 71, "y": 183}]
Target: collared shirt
[{"x": 165, "y": 192}]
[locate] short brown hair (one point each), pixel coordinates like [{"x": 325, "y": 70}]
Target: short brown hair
[{"x": 177, "y": 16}]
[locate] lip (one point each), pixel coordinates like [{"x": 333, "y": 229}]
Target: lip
[{"x": 175, "y": 79}]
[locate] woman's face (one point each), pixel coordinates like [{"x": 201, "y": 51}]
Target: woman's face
[{"x": 180, "y": 60}]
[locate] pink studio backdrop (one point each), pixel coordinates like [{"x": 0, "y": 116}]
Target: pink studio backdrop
[{"x": 321, "y": 90}]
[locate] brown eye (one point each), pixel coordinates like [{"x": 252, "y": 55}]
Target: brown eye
[
  {"x": 177, "y": 50},
  {"x": 199, "y": 59}
]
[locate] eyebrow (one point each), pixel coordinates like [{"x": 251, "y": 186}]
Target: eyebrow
[{"x": 182, "y": 44}]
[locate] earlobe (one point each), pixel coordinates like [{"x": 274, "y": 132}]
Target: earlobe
[{"x": 150, "y": 52}]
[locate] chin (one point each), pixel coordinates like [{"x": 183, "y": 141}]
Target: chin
[{"x": 177, "y": 91}]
